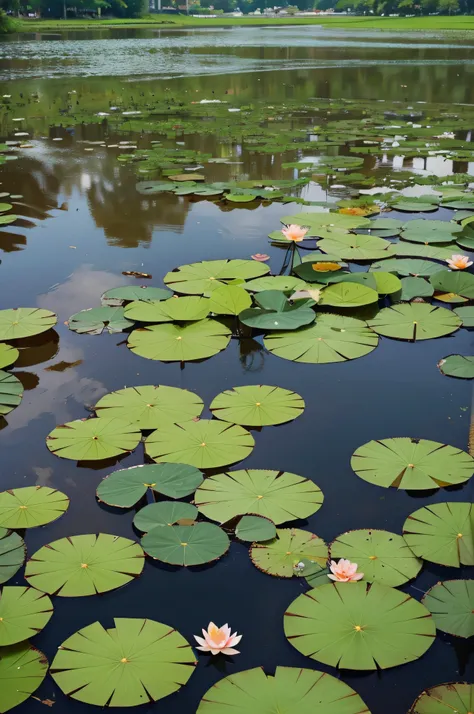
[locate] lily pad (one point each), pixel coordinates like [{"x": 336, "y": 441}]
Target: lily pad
[
  {"x": 31, "y": 506},
  {"x": 150, "y": 406},
  {"x": 357, "y": 247},
  {"x": 333, "y": 338},
  {"x": 229, "y": 300},
  {"x": 164, "y": 513},
  {"x": 452, "y": 605},
  {"x": 97, "y": 319},
  {"x": 186, "y": 545},
  {"x": 205, "y": 444},
  {"x": 415, "y": 322},
  {"x": 22, "y": 669},
  {"x": 386, "y": 283},
  {"x": 82, "y": 565},
  {"x": 466, "y": 314},
  {"x": 415, "y": 287},
  {"x": 135, "y": 662},
  {"x": 146, "y": 311},
  {"x": 125, "y": 487},
  {"x": 12, "y": 554},
  {"x": 413, "y": 206},
  {"x": 274, "y": 312},
  {"x": 203, "y": 278},
  {"x": 240, "y": 197},
  {"x": 128, "y": 293},
  {"x": 257, "y": 405},
  {"x": 437, "y": 251},
  {"x": 11, "y": 392},
  {"x": 285, "y": 283},
  {"x": 23, "y": 613},
  {"x": 93, "y": 439},
  {"x": 279, "y": 496},
  {"x": 442, "y": 533},
  {"x": 291, "y": 545},
  {"x": 326, "y": 221},
  {"x": 292, "y": 690},
  {"x": 382, "y": 556},
  {"x": 425, "y": 231},
  {"x": 348, "y": 295},
  {"x": 457, "y": 366},
  {"x": 453, "y": 286},
  {"x": 8, "y": 355},
  {"x": 408, "y": 266},
  {"x": 416, "y": 464},
  {"x": 25, "y": 322},
  {"x": 362, "y": 626},
  {"x": 181, "y": 309},
  {"x": 254, "y": 529},
  {"x": 456, "y": 697},
  {"x": 180, "y": 343}
]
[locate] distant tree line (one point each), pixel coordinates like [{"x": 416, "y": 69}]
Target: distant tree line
[
  {"x": 376, "y": 7},
  {"x": 75, "y": 8}
]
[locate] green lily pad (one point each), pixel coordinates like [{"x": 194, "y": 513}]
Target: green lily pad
[
  {"x": 23, "y": 613},
  {"x": 180, "y": 343},
  {"x": 25, "y": 322},
  {"x": 187, "y": 177},
  {"x": 22, "y": 669},
  {"x": 205, "y": 444},
  {"x": 257, "y": 405},
  {"x": 455, "y": 697},
  {"x": 457, "y": 366},
  {"x": 414, "y": 321},
  {"x": 457, "y": 284},
  {"x": 348, "y": 295},
  {"x": 416, "y": 464},
  {"x": 97, "y": 319},
  {"x": 10, "y": 218},
  {"x": 357, "y": 247},
  {"x": 149, "y": 406},
  {"x": 425, "y": 231},
  {"x": 382, "y": 556},
  {"x": 143, "y": 311},
  {"x": 186, "y": 545},
  {"x": 128, "y": 293},
  {"x": 326, "y": 221},
  {"x": 255, "y": 529},
  {"x": 164, "y": 513},
  {"x": 309, "y": 271},
  {"x": 362, "y": 626},
  {"x": 279, "y": 496},
  {"x": 408, "y": 266},
  {"x": 452, "y": 605},
  {"x": 240, "y": 197},
  {"x": 274, "y": 312},
  {"x": 188, "y": 308},
  {"x": 125, "y": 487},
  {"x": 82, "y": 565},
  {"x": 147, "y": 188},
  {"x": 386, "y": 283},
  {"x": 135, "y": 662},
  {"x": 415, "y": 287},
  {"x": 12, "y": 554},
  {"x": 333, "y": 338},
  {"x": 229, "y": 300},
  {"x": 291, "y": 545},
  {"x": 11, "y": 392},
  {"x": 411, "y": 205},
  {"x": 93, "y": 439},
  {"x": 203, "y": 278},
  {"x": 8, "y": 355},
  {"x": 292, "y": 690},
  {"x": 438, "y": 251},
  {"x": 31, "y": 506},
  {"x": 442, "y": 533},
  {"x": 285, "y": 283},
  {"x": 466, "y": 315}
]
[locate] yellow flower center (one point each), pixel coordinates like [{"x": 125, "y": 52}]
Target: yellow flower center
[
  {"x": 124, "y": 660},
  {"x": 23, "y": 508},
  {"x": 203, "y": 443},
  {"x": 183, "y": 544},
  {"x": 84, "y": 565},
  {"x": 459, "y": 535},
  {"x": 372, "y": 557},
  {"x": 357, "y": 628}
]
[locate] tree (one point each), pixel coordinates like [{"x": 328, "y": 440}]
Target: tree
[{"x": 448, "y": 7}]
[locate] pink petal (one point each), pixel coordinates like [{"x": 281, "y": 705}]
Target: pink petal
[
  {"x": 200, "y": 640},
  {"x": 333, "y": 577},
  {"x": 358, "y": 576},
  {"x": 226, "y": 630},
  {"x": 233, "y": 640},
  {"x": 215, "y": 652},
  {"x": 230, "y": 651},
  {"x": 204, "y": 649},
  {"x": 352, "y": 568}
]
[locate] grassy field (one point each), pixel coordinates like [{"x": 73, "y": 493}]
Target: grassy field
[{"x": 436, "y": 23}]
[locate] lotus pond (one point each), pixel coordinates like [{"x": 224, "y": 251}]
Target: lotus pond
[{"x": 235, "y": 350}]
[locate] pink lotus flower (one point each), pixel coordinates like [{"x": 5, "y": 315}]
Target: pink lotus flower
[
  {"x": 261, "y": 257},
  {"x": 218, "y": 639},
  {"x": 344, "y": 571},
  {"x": 458, "y": 262},
  {"x": 294, "y": 232}
]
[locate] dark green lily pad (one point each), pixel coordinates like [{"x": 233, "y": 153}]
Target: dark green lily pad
[
  {"x": 445, "y": 699},
  {"x": 466, "y": 315},
  {"x": 186, "y": 545},
  {"x": 12, "y": 554},
  {"x": 453, "y": 286},
  {"x": 442, "y": 533},
  {"x": 23, "y": 613},
  {"x": 415, "y": 322},
  {"x": 125, "y": 487},
  {"x": 451, "y": 603},
  {"x": 415, "y": 287},
  {"x": 274, "y": 312},
  {"x": 254, "y": 529},
  {"x": 22, "y": 669},
  {"x": 457, "y": 366},
  {"x": 164, "y": 513},
  {"x": 115, "y": 297},
  {"x": 407, "y": 266},
  {"x": 97, "y": 319}
]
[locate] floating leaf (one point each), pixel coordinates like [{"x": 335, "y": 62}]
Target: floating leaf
[
  {"x": 416, "y": 464},
  {"x": 412, "y": 205},
  {"x": 457, "y": 284},
  {"x": 125, "y": 487},
  {"x": 274, "y": 312},
  {"x": 348, "y": 295},
  {"x": 23, "y": 613},
  {"x": 257, "y": 405},
  {"x": 326, "y": 221},
  {"x": 240, "y": 197},
  {"x": 143, "y": 311},
  {"x": 457, "y": 366},
  {"x": 11, "y": 392},
  {"x": 362, "y": 626},
  {"x": 275, "y": 282},
  {"x": 12, "y": 555},
  {"x": 205, "y": 444},
  {"x": 84, "y": 565},
  {"x": 279, "y": 496},
  {"x": 425, "y": 231},
  {"x": 357, "y": 247},
  {"x": 333, "y": 338},
  {"x": 291, "y": 545},
  {"x": 150, "y": 406},
  {"x": 452, "y": 605},
  {"x": 291, "y": 690},
  {"x": 437, "y": 251},
  {"x": 408, "y": 266},
  {"x": 31, "y": 506},
  {"x": 8, "y": 355},
  {"x": 22, "y": 669},
  {"x": 202, "y": 278},
  {"x": 453, "y": 698},
  {"x": 382, "y": 556},
  {"x": 134, "y": 663},
  {"x": 442, "y": 533},
  {"x": 229, "y": 300},
  {"x": 466, "y": 314},
  {"x": 386, "y": 283},
  {"x": 188, "y": 308},
  {"x": 415, "y": 287},
  {"x": 93, "y": 439},
  {"x": 164, "y": 513},
  {"x": 128, "y": 293},
  {"x": 25, "y": 322},
  {"x": 187, "y": 177},
  {"x": 97, "y": 319},
  {"x": 414, "y": 321},
  {"x": 255, "y": 529},
  {"x": 186, "y": 545},
  {"x": 180, "y": 343}
]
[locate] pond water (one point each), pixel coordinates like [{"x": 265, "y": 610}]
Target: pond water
[{"x": 82, "y": 223}]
